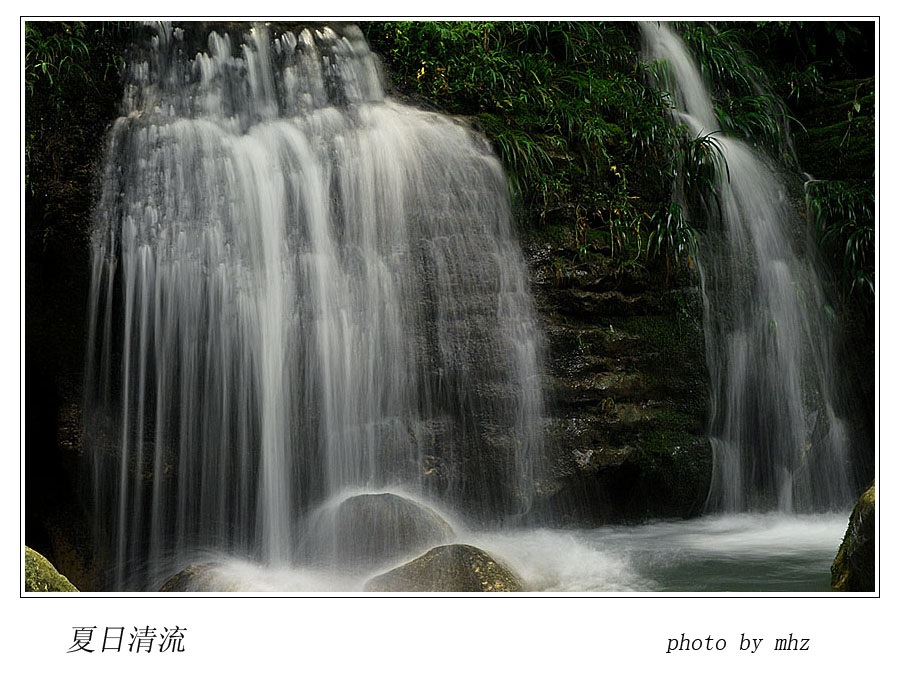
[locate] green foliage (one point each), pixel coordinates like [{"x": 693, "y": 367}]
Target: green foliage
[
  {"x": 528, "y": 160},
  {"x": 55, "y": 53},
  {"x": 722, "y": 58},
  {"x": 804, "y": 80},
  {"x": 701, "y": 166},
  {"x": 760, "y": 117},
  {"x": 842, "y": 213},
  {"x": 673, "y": 237},
  {"x": 62, "y": 57}
]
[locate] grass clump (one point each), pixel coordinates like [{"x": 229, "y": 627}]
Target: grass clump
[{"x": 842, "y": 213}]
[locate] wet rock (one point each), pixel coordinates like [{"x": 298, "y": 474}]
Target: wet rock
[
  {"x": 41, "y": 576},
  {"x": 627, "y": 390},
  {"x": 202, "y": 577},
  {"x": 853, "y": 569},
  {"x": 371, "y": 528},
  {"x": 452, "y": 568}
]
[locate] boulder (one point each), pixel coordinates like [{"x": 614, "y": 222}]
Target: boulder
[
  {"x": 41, "y": 576},
  {"x": 853, "y": 569},
  {"x": 451, "y": 568},
  {"x": 202, "y": 577},
  {"x": 374, "y": 528}
]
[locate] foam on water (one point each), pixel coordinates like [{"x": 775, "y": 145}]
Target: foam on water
[{"x": 761, "y": 553}]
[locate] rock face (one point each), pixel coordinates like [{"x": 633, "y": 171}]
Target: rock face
[
  {"x": 41, "y": 576},
  {"x": 200, "y": 577},
  {"x": 628, "y": 389},
  {"x": 452, "y": 568},
  {"x": 370, "y": 528},
  {"x": 853, "y": 569}
]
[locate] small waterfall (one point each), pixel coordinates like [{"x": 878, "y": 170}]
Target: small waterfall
[
  {"x": 777, "y": 435},
  {"x": 300, "y": 288}
]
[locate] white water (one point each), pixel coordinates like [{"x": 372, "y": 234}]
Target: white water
[
  {"x": 299, "y": 287},
  {"x": 721, "y": 553},
  {"x": 778, "y": 439}
]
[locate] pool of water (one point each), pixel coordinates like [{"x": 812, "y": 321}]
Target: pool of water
[
  {"x": 726, "y": 553},
  {"x": 733, "y": 553}
]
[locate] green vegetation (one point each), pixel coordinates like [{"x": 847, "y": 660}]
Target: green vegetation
[
  {"x": 801, "y": 57},
  {"x": 843, "y": 216},
  {"x": 838, "y": 148},
  {"x": 54, "y": 54}
]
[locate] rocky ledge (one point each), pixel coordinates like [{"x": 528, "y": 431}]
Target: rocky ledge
[{"x": 627, "y": 386}]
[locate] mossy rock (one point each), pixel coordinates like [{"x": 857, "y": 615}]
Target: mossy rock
[
  {"x": 203, "y": 577},
  {"x": 451, "y": 568},
  {"x": 41, "y": 576},
  {"x": 853, "y": 569}
]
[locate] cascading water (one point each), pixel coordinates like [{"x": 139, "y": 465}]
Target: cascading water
[
  {"x": 778, "y": 440},
  {"x": 300, "y": 289},
  {"x": 312, "y": 346}
]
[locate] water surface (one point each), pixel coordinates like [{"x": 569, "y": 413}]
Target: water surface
[{"x": 723, "y": 553}]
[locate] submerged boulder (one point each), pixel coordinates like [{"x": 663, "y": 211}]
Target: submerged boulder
[
  {"x": 202, "y": 577},
  {"x": 41, "y": 576},
  {"x": 853, "y": 569},
  {"x": 372, "y": 528},
  {"x": 451, "y": 568}
]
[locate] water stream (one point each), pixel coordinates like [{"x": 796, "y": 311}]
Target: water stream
[{"x": 779, "y": 441}]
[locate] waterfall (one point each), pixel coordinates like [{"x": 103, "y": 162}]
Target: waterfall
[
  {"x": 778, "y": 438},
  {"x": 300, "y": 288}
]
